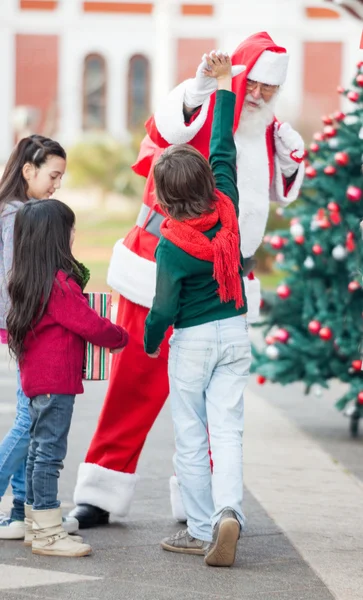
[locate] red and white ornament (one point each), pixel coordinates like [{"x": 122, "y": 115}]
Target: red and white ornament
[
  {"x": 277, "y": 242},
  {"x": 317, "y": 249},
  {"x": 353, "y": 286},
  {"x": 341, "y": 158},
  {"x": 314, "y": 327},
  {"x": 329, "y": 131},
  {"x": 325, "y": 334},
  {"x": 333, "y": 207},
  {"x": 272, "y": 352},
  {"x": 340, "y": 89},
  {"x": 310, "y": 172},
  {"x": 260, "y": 379},
  {"x": 314, "y": 147},
  {"x": 354, "y": 194},
  {"x": 339, "y": 116},
  {"x": 283, "y": 291},
  {"x": 339, "y": 252},
  {"x": 282, "y": 335},
  {"x": 353, "y": 96},
  {"x": 359, "y": 80},
  {"x": 357, "y": 365},
  {"x": 330, "y": 170}
]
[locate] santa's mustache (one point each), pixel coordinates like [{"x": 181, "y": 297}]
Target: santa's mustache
[{"x": 259, "y": 101}]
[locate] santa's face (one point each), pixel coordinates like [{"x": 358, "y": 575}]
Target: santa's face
[
  {"x": 258, "y": 107},
  {"x": 258, "y": 95}
]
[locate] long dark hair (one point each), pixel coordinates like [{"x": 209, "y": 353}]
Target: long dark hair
[
  {"x": 35, "y": 150},
  {"x": 42, "y": 234}
]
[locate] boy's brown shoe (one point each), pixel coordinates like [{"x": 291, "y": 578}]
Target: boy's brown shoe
[
  {"x": 184, "y": 543},
  {"x": 222, "y": 550}
]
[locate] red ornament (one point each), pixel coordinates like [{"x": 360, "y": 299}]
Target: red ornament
[
  {"x": 353, "y": 286},
  {"x": 269, "y": 339},
  {"x": 353, "y": 96},
  {"x": 262, "y": 303},
  {"x": 333, "y": 207},
  {"x": 342, "y": 158},
  {"x": 277, "y": 242},
  {"x": 314, "y": 327},
  {"x": 317, "y": 249},
  {"x": 359, "y": 80},
  {"x": 325, "y": 333},
  {"x": 335, "y": 218},
  {"x": 280, "y": 257},
  {"x": 329, "y": 131},
  {"x": 339, "y": 116},
  {"x": 318, "y": 136},
  {"x": 327, "y": 120},
  {"x": 354, "y": 194},
  {"x": 305, "y": 154},
  {"x": 357, "y": 365},
  {"x": 299, "y": 239},
  {"x": 266, "y": 239},
  {"x": 360, "y": 64},
  {"x": 340, "y": 89},
  {"x": 260, "y": 379},
  {"x": 283, "y": 291},
  {"x": 350, "y": 243},
  {"x": 360, "y": 398},
  {"x": 294, "y": 220},
  {"x": 282, "y": 336},
  {"x": 330, "y": 170},
  {"x": 310, "y": 172},
  {"x": 314, "y": 147}
]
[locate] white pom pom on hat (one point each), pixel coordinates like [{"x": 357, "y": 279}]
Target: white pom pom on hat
[{"x": 270, "y": 68}]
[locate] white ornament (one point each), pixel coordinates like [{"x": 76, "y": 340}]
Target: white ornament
[
  {"x": 333, "y": 143},
  {"x": 296, "y": 230},
  {"x": 309, "y": 263},
  {"x": 351, "y": 119},
  {"x": 360, "y": 134},
  {"x": 314, "y": 225},
  {"x": 339, "y": 252},
  {"x": 280, "y": 211},
  {"x": 272, "y": 352}
]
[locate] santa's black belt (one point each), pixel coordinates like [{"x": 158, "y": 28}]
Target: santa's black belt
[{"x": 154, "y": 222}]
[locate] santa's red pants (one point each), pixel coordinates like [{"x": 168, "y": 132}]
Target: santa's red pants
[{"x": 136, "y": 393}]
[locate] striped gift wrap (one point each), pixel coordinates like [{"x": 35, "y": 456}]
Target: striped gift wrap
[{"x": 96, "y": 364}]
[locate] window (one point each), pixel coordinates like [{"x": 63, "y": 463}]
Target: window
[
  {"x": 138, "y": 91},
  {"x": 94, "y": 92}
]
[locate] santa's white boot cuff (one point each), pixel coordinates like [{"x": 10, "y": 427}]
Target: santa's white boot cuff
[
  {"x": 177, "y": 507},
  {"x": 107, "y": 489}
]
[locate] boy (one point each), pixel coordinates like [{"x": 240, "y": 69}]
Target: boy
[{"x": 200, "y": 291}]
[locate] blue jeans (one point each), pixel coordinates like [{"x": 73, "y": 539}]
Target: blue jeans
[
  {"x": 51, "y": 416},
  {"x": 208, "y": 371},
  {"x": 14, "y": 452}
]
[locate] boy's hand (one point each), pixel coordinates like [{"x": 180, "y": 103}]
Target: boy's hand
[
  {"x": 219, "y": 66},
  {"x": 154, "y": 354}
]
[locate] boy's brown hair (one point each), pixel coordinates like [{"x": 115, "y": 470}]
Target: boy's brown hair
[{"x": 184, "y": 183}]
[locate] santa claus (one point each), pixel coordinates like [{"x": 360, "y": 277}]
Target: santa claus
[{"x": 270, "y": 168}]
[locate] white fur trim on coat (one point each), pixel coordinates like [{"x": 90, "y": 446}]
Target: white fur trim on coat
[
  {"x": 278, "y": 194},
  {"x": 177, "y": 507},
  {"x": 270, "y": 68},
  {"x": 131, "y": 275},
  {"x": 253, "y": 294},
  {"x": 107, "y": 489},
  {"x": 169, "y": 117}
]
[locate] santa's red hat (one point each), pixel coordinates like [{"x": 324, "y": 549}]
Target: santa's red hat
[{"x": 265, "y": 62}]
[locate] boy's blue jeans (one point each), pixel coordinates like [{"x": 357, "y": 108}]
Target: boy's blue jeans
[
  {"x": 208, "y": 371},
  {"x": 51, "y": 416},
  {"x": 14, "y": 452}
]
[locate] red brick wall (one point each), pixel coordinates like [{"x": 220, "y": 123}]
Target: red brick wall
[
  {"x": 189, "y": 54},
  {"x": 37, "y": 77},
  {"x": 322, "y": 75}
]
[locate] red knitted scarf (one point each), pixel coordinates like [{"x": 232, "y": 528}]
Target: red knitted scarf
[{"x": 223, "y": 250}]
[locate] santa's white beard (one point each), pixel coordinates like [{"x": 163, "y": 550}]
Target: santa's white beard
[
  {"x": 253, "y": 173},
  {"x": 255, "y": 120}
]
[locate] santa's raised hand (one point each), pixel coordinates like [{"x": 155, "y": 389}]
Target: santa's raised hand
[
  {"x": 289, "y": 148},
  {"x": 201, "y": 87}
]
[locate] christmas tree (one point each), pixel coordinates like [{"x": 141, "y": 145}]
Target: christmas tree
[{"x": 314, "y": 328}]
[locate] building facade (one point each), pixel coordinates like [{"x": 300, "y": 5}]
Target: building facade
[{"x": 72, "y": 66}]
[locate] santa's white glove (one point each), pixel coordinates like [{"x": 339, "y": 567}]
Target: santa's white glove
[
  {"x": 197, "y": 90},
  {"x": 289, "y": 148}
]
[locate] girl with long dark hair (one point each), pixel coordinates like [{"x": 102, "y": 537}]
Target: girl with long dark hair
[
  {"x": 48, "y": 323},
  {"x": 34, "y": 170}
]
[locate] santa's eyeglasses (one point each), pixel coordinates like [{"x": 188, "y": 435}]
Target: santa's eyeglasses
[{"x": 265, "y": 88}]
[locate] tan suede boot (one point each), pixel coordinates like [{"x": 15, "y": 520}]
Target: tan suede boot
[
  {"x": 69, "y": 525},
  {"x": 50, "y": 538}
]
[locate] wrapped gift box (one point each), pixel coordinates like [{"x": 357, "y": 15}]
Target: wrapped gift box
[{"x": 96, "y": 364}]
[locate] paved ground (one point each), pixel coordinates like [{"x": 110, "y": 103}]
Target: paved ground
[{"x": 303, "y": 501}]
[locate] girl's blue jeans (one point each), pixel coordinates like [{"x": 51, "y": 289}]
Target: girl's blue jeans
[
  {"x": 209, "y": 367},
  {"x": 14, "y": 452},
  {"x": 51, "y": 416}
]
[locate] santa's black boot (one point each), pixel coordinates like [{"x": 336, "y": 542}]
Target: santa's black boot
[{"x": 89, "y": 516}]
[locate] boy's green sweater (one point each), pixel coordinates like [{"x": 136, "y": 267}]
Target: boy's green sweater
[{"x": 186, "y": 293}]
